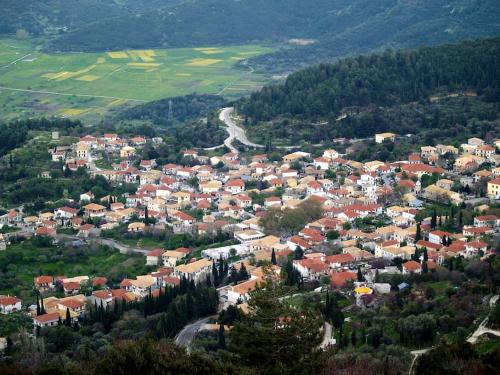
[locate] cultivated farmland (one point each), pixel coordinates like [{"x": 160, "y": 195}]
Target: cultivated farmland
[{"x": 88, "y": 85}]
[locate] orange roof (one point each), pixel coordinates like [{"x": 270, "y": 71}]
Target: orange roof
[
  {"x": 71, "y": 285},
  {"x": 96, "y": 281},
  {"x": 340, "y": 258},
  {"x": 71, "y": 303},
  {"x": 43, "y": 279},
  {"x": 412, "y": 265},
  {"x": 5, "y": 301},
  {"x": 339, "y": 279},
  {"x": 45, "y": 318},
  {"x": 102, "y": 294}
]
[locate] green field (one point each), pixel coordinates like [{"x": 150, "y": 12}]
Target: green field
[{"x": 90, "y": 84}]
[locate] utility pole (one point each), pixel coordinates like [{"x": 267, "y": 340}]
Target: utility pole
[{"x": 170, "y": 111}]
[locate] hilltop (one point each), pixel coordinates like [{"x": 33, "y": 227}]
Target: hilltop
[
  {"x": 398, "y": 91},
  {"x": 332, "y": 28}
]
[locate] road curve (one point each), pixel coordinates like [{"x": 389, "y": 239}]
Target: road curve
[
  {"x": 234, "y": 131},
  {"x": 185, "y": 337}
]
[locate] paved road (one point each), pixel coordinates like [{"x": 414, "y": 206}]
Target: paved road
[
  {"x": 124, "y": 249},
  {"x": 327, "y": 337},
  {"x": 235, "y": 132},
  {"x": 482, "y": 329},
  {"x": 186, "y": 336}
]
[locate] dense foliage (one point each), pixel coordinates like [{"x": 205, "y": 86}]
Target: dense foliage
[
  {"x": 358, "y": 97},
  {"x": 14, "y": 134},
  {"x": 275, "y": 338},
  {"x": 291, "y": 220},
  {"x": 183, "y": 108},
  {"x": 394, "y": 77}
]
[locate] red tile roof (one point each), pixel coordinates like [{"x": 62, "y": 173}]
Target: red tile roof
[
  {"x": 340, "y": 279},
  {"x": 45, "y": 318},
  {"x": 6, "y": 301}
]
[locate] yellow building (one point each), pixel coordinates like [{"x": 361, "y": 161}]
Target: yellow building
[
  {"x": 494, "y": 189},
  {"x": 382, "y": 137},
  {"x": 127, "y": 152},
  {"x": 82, "y": 150},
  {"x": 438, "y": 194}
]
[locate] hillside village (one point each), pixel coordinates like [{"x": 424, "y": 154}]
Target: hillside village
[{"x": 360, "y": 212}]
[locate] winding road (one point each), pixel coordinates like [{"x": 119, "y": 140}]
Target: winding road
[
  {"x": 238, "y": 133},
  {"x": 186, "y": 336},
  {"x": 234, "y": 131},
  {"x": 480, "y": 330}
]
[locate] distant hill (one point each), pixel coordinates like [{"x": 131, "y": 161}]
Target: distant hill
[
  {"x": 337, "y": 27},
  {"x": 380, "y": 92}
]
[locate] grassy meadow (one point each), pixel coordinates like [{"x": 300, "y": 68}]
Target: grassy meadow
[{"x": 88, "y": 85}]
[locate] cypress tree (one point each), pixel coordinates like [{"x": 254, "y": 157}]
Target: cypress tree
[
  {"x": 222, "y": 339},
  {"x": 433, "y": 219},
  {"x": 418, "y": 234},
  {"x": 215, "y": 274},
  {"x": 360, "y": 274},
  {"x": 221, "y": 268},
  {"x": 42, "y": 307},
  {"x": 425, "y": 269},
  {"x": 243, "y": 274},
  {"x": 273, "y": 258},
  {"x": 68, "y": 318},
  {"x": 37, "y": 305}
]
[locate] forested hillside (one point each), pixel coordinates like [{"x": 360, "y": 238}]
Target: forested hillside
[
  {"x": 336, "y": 28},
  {"x": 373, "y": 89},
  {"x": 184, "y": 108},
  {"x": 60, "y": 16}
]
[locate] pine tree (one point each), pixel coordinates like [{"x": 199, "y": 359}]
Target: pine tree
[{"x": 273, "y": 258}]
